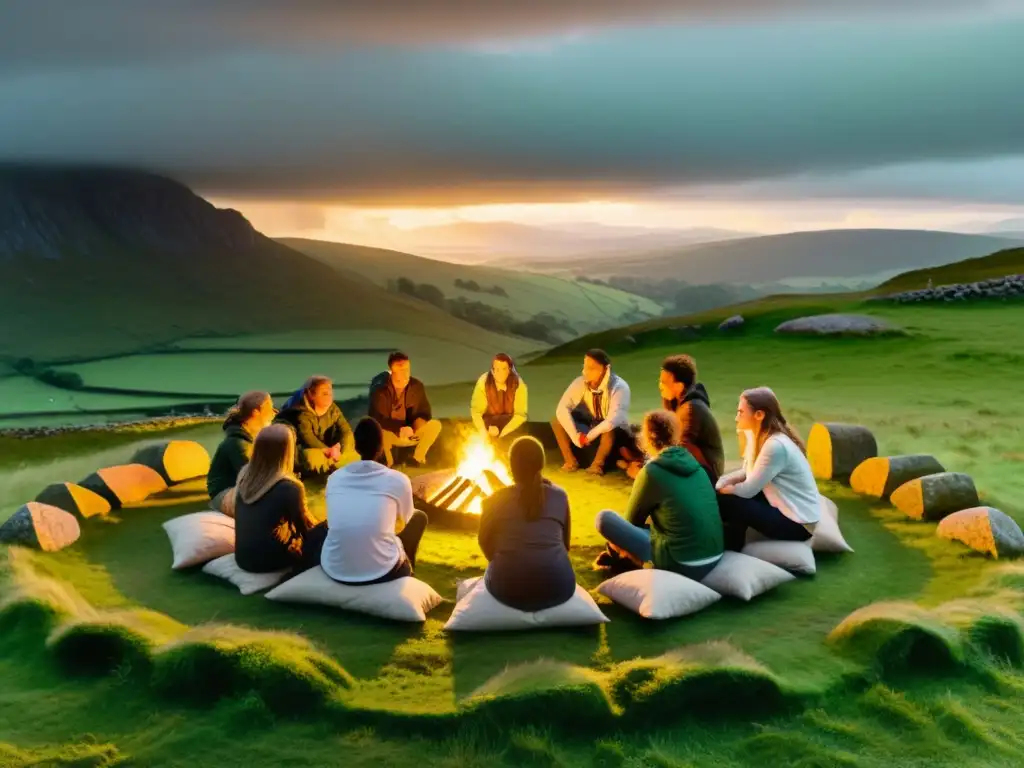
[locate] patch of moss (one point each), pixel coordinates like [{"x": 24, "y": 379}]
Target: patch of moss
[
  {"x": 113, "y": 640},
  {"x": 713, "y": 679},
  {"x": 85, "y": 755},
  {"x": 210, "y": 663},
  {"x": 899, "y": 638},
  {"x": 570, "y": 696}
]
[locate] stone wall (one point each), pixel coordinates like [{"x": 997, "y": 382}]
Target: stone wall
[{"x": 1009, "y": 287}]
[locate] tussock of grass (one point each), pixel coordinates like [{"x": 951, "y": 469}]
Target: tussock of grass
[
  {"x": 68, "y": 756},
  {"x": 533, "y": 748},
  {"x": 794, "y": 749},
  {"x": 569, "y": 696},
  {"x": 898, "y": 638},
  {"x": 895, "y": 710},
  {"x": 113, "y": 640},
  {"x": 962, "y": 725},
  {"x": 711, "y": 679},
  {"x": 33, "y": 603},
  {"x": 210, "y": 663},
  {"x": 990, "y": 627}
]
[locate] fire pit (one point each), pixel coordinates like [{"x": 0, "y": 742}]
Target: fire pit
[{"x": 455, "y": 496}]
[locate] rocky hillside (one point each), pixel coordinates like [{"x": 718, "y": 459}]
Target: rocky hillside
[
  {"x": 1009, "y": 287},
  {"x": 104, "y": 261}
]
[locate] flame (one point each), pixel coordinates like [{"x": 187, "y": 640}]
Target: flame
[{"x": 478, "y": 455}]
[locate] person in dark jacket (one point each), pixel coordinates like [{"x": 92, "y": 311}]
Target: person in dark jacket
[
  {"x": 673, "y": 491},
  {"x": 399, "y": 403},
  {"x": 252, "y": 412},
  {"x": 682, "y": 394},
  {"x": 273, "y": 528},
  {"x": 525, "y": 531},
  {"x": 322, "y": 434}
]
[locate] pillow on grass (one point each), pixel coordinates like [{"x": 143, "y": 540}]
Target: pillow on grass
[
  {"x": 200, "y": 537},
  {"x": 656, "y": 594},
  {"x": 793, "y": 556},
  {"x": 248, "y": 583},
  {"x": 405, "y": 599},
  {"x": 827, "y": 536},
  {"x": 745, "y": 577},
  {"x": 477, "y": 611}
]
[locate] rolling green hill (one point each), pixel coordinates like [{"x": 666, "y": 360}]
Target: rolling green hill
[
  {"x": 585, "y": 307},
  {"x": 999, "y": 264},
  {"x": 97, "y": 262}
]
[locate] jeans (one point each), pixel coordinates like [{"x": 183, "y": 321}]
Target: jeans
[
  {"x": 637, "y": 541},
  {"x": 739, "y": 513}
]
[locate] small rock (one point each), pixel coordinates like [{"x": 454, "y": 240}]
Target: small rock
[
  {"x": 731, "y": 323},
  {"x": 837, "y": 325},
  {"x": 40, "y": 526},
  {"x": 984, "y": 529},
  {"x": 629, "y": 340}
]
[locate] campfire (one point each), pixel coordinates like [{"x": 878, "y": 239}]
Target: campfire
[{"x": 461, "y": 492}]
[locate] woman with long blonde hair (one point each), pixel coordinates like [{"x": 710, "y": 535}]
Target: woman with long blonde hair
[
  {"x": 775, "y": 492},
  {"x": 273, "y": 528}
]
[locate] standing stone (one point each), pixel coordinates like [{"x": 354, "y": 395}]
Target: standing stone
[
  {"x": 74, "y": 498},
  {"x": 835, "y": 450},
  {"x": 984, "y": 529},
  {"x": 880, "y": 476},
  {"x": 933, "y": 497},
  {"x": 40, "y": 526},
  {"x": 176, "y": 461}
]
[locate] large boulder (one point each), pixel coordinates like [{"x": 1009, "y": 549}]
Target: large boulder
[
  {"x": 732, "y": 323},
  {"x": 74, "y": 498},
  {"x": 125, "y": 484},
  {"x": 40, "y": 526},
  {"x": 933, "y": 497},
  {"x": 176, "y": 461},
  {"x": 984, "y": 529},
  {"x": 835, "y": 450},
  {"x": 838, "y": 325},
  {"x": 880, "y": 476}
]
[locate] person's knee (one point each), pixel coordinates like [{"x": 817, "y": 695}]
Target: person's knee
[
  {"x": 419, "y": 517},
  {"x": 603, "y": 520}
]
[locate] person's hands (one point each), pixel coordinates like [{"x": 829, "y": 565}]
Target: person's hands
[
  {"x": 335, "y": 453},
  {"x": 406, "y": 433},
  {"x": 493, "y": 432},
  {"x": 728, "y": 490},
  {"x": 584, "y": 440}
]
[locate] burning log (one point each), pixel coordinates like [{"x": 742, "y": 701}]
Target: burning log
[
  {"x": 445, "y": 490},
  {"x": 476, "y": 493},
  {"x": 494, "y": 481},
  {"x": 447, "y": 499}
]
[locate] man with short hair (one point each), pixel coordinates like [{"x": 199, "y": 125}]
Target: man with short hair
[
  {"x": 593, "y": 410},
  {"x": 365, "y": 503},
  {"x": 682, "y": 394},
  {"x": 398, "y": 402}
]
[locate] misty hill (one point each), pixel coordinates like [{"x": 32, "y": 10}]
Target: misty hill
[
  {"x": 827, "y": 255},
  {"x": 523, "y": 295},
  {"x": 508, "y": 244},
  {"x": 96, "y": 261}
]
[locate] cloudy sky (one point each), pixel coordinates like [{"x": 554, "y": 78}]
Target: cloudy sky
[{"x": 345, "y": 119}]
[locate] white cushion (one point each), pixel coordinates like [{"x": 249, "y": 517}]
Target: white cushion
[
  {"x": 745, "y": 577},
  {"x": 405, "y": 599},
  {"x": 827, "y": 536},
  {"x": 200, "y": 537},
  {"x": 248, "y": 583},
  {"x": 477, "y": 611},
  {"x": 829, "y": 506},
  {"x": 656, "y": 594},
  {"x": 793, "y": 556}
]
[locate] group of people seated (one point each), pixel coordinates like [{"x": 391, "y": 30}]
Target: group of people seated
[{"x": 683, "y": 512}]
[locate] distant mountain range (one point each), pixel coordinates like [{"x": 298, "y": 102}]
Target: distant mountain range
[
  {"x": 800, "y": 256},
  {"x": 508, "y": 243},
  {"x": 99, "y": 262}
]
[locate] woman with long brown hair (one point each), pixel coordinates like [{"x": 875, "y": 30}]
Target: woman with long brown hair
[
  {"x": 252, "y": 412},
  {"x": 499, "y": 403},
  {"x": 524, "y": 534},
  {"x": 775, "y": 492},
  {"x": 273, "y": 527}
]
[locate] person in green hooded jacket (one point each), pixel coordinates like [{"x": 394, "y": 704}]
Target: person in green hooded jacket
[
  {"x": 675, "y": 494},
  {"x": 252, "y": 412},
  {"x": 322, "y": 435}
]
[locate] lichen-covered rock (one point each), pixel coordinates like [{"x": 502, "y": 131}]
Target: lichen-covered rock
[
  {"x": 125, "y": 484},
  {"x": 835, "y": 450},
  {"x": 880, "y": 476},
  {"x": 176, "y": 461},
  {"x": 732, "y": 323},
  {"x": 838, "y": 325},
  {"x": 40, "y": 526},
  {"x": 984, "y": 529},
  {"x": 933, "y": 497}
]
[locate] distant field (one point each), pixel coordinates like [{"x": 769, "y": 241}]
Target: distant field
[
  {"x": 22, "y": 394},
  {"x": 587, "y": 307}
]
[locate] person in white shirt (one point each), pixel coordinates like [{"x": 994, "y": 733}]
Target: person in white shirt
[
  {"x": 593, "y": 411},
  {"x": 775, "y": 492},
  {"x": 365, "y": 501},
  {"x": 498, "y": 406}
]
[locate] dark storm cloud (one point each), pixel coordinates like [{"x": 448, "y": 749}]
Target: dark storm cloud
[
  {"x": 626, "y": 110},
  {"x": 36, "y": 33}
]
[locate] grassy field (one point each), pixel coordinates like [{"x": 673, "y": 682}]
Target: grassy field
[
  {"x": 586, "y": 307},
  {"x": 931, "y": 683}
]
